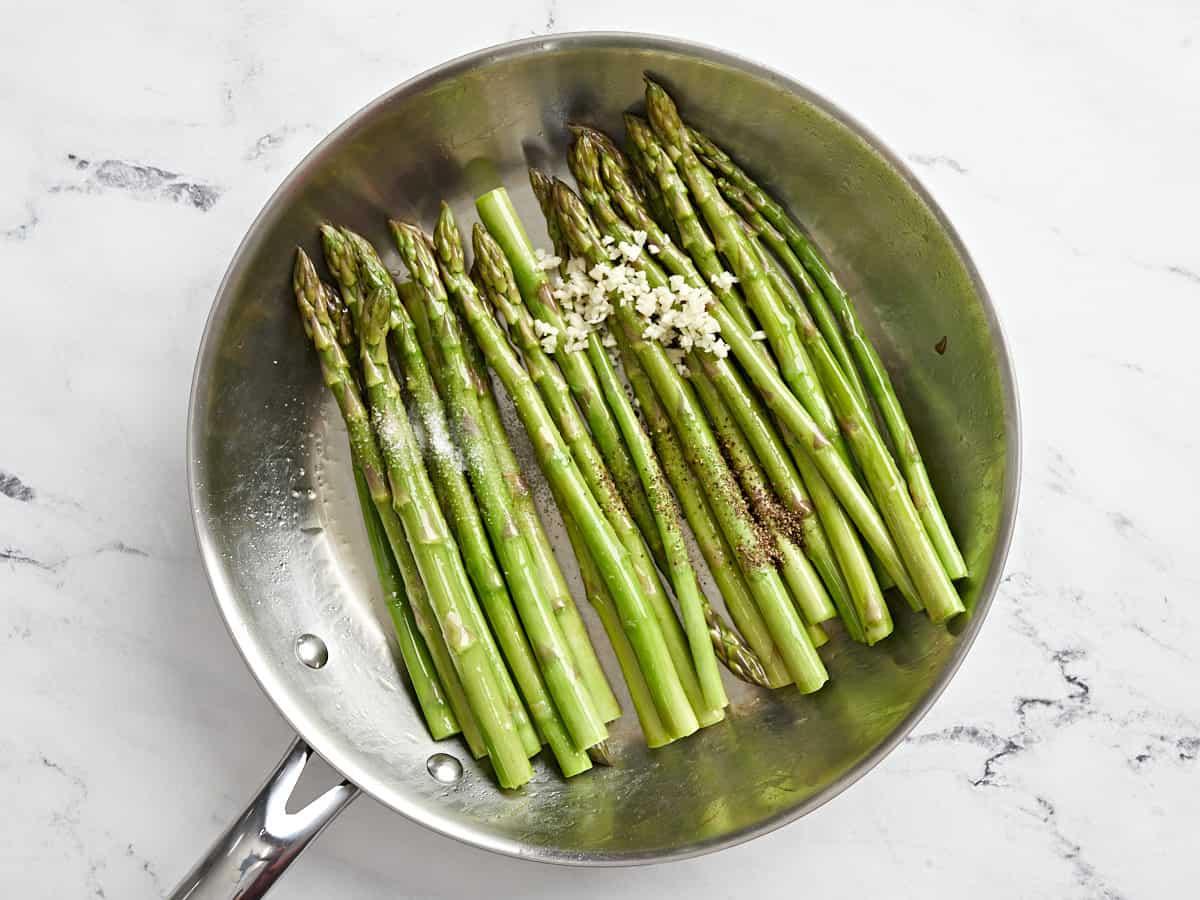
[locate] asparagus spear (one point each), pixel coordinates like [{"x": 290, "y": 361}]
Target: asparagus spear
[
  {"x": 604, "y": 182},
  {"x": 734, "y": 245},
  {"x": 545, "y": 632},
  {"x": 806, "y": 587},
  {"x": 722, "y": 562},
  {"x": 872, "y": 368},
  {"x": 314, "y": 301},
  {"x": 929, "y": 582},
  {"x": 677, "y": 396},
  {"x": 581, "y": 379},
  {"x": 727, "y": 645},
  {"x": 495, "y": 252},
  {"x": 636, "y": 168},
  {"x": 731, "y": 176},
  {"x": 575, "y": 499},
  {"x": 851, "y": 581},
  {"x": 587, "y": 159},
  {"x": 784, "y": 256},
  {"x": 653, "y": 730},
  {"x": 785, "y": 527},
  {"x": 342, "y": 261},
  {"x": 692, "y": 236},
  {"x": 435, "y": 555},
  {"x": 529, "y": 522},
  {"x": 695, "y": 608},
  {"x": 504, "y": 641},
  {"x": 829, "y": 372},
  {"x": 890, "y": 491},
  {"x": 656, "y": 164},
  {"x": 817, "y": 635},
  {"x": 417, "y": 661},
  {"x": 568, "y": 703},
  {"x": 412, "y": 644}
]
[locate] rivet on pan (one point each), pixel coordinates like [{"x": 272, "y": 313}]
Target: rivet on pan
[
  {"x": 312, "y": 651},
  {"x": 444, "y": 768}
]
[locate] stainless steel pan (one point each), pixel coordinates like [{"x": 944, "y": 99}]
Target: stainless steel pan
[{"x": 279, "y": 528}]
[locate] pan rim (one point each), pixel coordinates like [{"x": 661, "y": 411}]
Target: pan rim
[{"x": 223, "y": 592}]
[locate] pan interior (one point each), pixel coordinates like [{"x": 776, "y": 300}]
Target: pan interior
[{"x": 278, "y": 519}]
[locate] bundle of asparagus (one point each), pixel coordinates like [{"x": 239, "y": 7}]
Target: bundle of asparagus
[{"x": 757, "y": 390}]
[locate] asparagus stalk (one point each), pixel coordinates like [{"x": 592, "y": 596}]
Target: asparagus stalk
[
  {"x": 436, "y": 553},
  {"x": 677, "y": 396},
  {"x": 733, "y": 177},
  {"x": 545, "y": 632},
  {"x": 753, "y": 555},
  {"x": 727, "y": 644},
  {"x": 694, "y": 606},
  {"x": 504, "y": 641},
  {"x": 568, "y": 702},
  {"x": 583, "y": 654},
  {"x": 417, "y": 658},
  {"x": 495, "y": 251},
  {"x": 550, "y": 576},
  {"x": 806, "y": 587},
  {"x": 832, "y": 518},
  {"x": 653, "y": 730},
  {"x": 692, "y": 236},
  {"x": 829, "y": 372},
  {"x": 340, "y": 378},
  {"x": 817, "y": 635},
  {"x": 786, "y": 291},
  {"x": 851, "y": 581},
  {"x": 734, "y": 245},
  {"x": 436, "y": 557},
  {"x": 720, "y": 557},
  {"x": 874, "y": 372},
  {"x": 655, "y": 202},
  {"x": 533, "y": 284},
  {"x": 342, "y": 261},
  {"x": 606, "y": 187},
  {"x": 730, "y": 649},
  {"x": 575, "y": 499},
  {"x": 417, "y": 662},
  {"x": 315, "y": 303},
  {"x": 786, "y": 257},
  {"x": 588, "y": 157},
  {"x": 929, "y": 582},
  {"x": 890, "y": 491}
]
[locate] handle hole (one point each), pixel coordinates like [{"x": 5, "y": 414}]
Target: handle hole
[{"x": 317, "y": 778}]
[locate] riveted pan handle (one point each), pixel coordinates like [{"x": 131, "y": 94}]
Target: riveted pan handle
[{"x": 244, "y": 862}]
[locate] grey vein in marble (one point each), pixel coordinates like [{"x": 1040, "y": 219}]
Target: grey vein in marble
[
  {"x": 1086, "y": 874},
  {"x": 22, "y": 231},
  {"x": 17, "y": 557},
  {"x": 934, "y": 160},
  {"x": 14, "y": 488},
  {"x": 1184, "y": 272},
  {"x": 139, "y": 179},
  {"x": 269, "y": 141}
]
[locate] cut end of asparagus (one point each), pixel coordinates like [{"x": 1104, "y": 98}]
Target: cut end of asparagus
[{"x": 601, "y": 754}]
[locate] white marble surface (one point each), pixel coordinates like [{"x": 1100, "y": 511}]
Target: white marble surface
[{"x": 140, "y": 139}]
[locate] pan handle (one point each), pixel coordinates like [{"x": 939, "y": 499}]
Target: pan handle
[{"x": 262, "y": 842}]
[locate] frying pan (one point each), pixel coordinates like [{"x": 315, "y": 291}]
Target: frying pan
[{"x": 282, "y": 540}]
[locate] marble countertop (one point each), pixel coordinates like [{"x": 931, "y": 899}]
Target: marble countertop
[{"x": 1060, "y": 138}]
